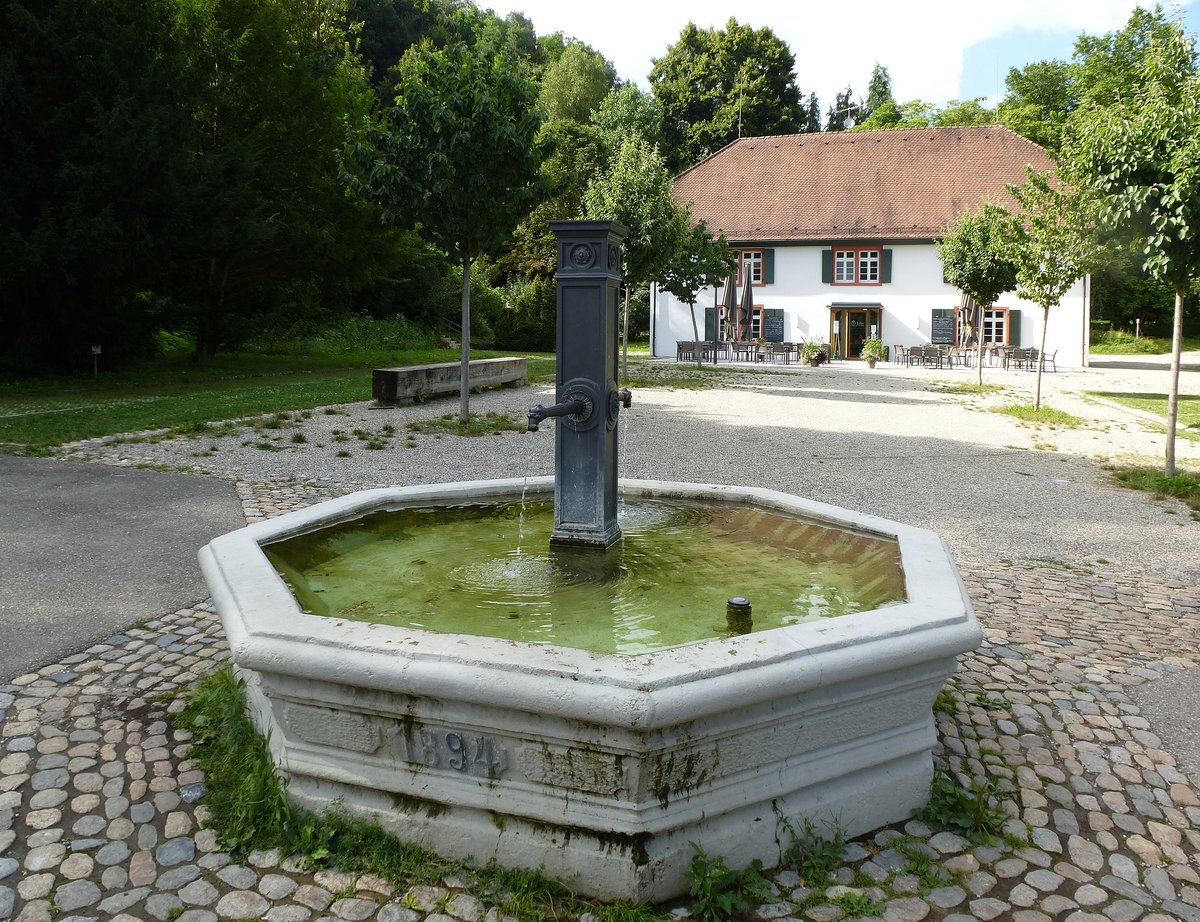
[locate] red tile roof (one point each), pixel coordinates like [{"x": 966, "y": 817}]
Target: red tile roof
[{"x": 860, "y": 185}]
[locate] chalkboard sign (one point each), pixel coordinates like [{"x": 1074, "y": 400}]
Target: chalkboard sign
[
  {"x": 773, "y": 325},
  {"x": 942, "y": 326}
]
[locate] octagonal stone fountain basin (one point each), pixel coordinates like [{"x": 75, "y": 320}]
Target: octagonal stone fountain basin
[{"x": 599, "y": 768}]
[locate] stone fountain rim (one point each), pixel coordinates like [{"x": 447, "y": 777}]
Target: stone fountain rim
[{"x": 268, "y": 632}]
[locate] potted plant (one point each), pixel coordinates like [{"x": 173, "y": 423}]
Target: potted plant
[
  {"x": 872, "y": 350},
  {"x": 811, "y": 353}
]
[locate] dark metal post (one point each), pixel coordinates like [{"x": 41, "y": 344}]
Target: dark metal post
[{"x": 585, "y": 442}]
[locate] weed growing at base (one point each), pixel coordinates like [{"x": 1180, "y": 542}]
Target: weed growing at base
[
  {"x": 478, "y": 424},
  {"x": 250, "y": 811}
]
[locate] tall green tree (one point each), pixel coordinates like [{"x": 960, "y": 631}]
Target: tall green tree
[
  {"x": 965, "y": 112},
  {"x": 1052, "y": 241},
  {"x": 1141, "y": 157},
  {"x": 974, "y": 261},
  {"x": 1040, "y": 98},
  {"x": 459, "y": 154},
  {"x": 841, "y": 113},
  {"x": 879, "y": 91},
  {"x": 812, "y": 115},
  {"x": 89, "y": 130},
  {"x": 698, "y": 261},
  {"x": 711, "y": 81},
  {"x": 625, "y": 111},
  {"x": 637, "y": 192},
  {"x": 260, "y": 218},
  {"x": 575, "y": 84}
]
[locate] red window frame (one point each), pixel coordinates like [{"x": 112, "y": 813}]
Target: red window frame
[
  {"x": 760, "y": 263},
  {"x": 859, "y": 266}
]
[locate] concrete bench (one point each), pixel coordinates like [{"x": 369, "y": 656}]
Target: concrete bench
[{"x": 392, "y": 386}]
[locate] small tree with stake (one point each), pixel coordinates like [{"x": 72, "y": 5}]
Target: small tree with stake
[
  {"x": 974, "y": 262},
  {"x": 699, "y": 261},
  {"x": 1052, "y": 241},
  {"x": 458, "y": 155},
  {"x": 1141, "y": 157}
]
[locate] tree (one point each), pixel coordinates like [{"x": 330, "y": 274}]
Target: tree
[
  {"x": 1106, "y": 67},
  {"x": 841, "y": 113},
  {"x": 86, "y": 144},
  {"x": 1040, "y": 98},
  {"x": 974, "y": 261},
  {"x": 712, "y": 82},
  {"x": 637, "y": 192},
  {"x": 879, "y": 91},
  {"x": 1052, "y": 241},
  {"x": 574, "y": 85},
  {"x": 1141, "y": 157},
  {"x": 458, "y": 153},
  {"x": 967, "y": 112},
  {"x": 625, "y": 111},
  {"x": 812, "y": 115},
  {"x": 699, "y": 261}
]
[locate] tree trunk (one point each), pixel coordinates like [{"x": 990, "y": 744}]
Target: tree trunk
[
  {"x": 625, "y": 341},
  {"x": 208, "y": 328},
  {"x": 1173, "y": 392},
  {"x": 1037, "y": 389},
  {"x": 696, "y": 333},
  {"x": 464, "y": 373},
  {"x": 979, "y": 344}
]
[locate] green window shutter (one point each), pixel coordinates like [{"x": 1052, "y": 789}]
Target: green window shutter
[
  {"x": 769, "y": 266},
  {"x": 710, "y": 324},
  {"x": 827, "y": 267},
  {"x": 1014, "y": 328},
  {"x": 885, "y": 266}
]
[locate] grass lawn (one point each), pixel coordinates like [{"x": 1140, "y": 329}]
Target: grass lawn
[
  {"x": 1189, "y": 408},
  {"x": 173, "y": 392},
  {"x": 1116, "y": 342}
]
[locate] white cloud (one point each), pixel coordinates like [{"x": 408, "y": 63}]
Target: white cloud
[{"x": 921, "y": 44}]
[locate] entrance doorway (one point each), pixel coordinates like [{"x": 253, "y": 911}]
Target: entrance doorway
[{"x": 850, "y": 326}]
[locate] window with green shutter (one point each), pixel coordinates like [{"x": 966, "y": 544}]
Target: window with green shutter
[
  {"x": 827, "y": 267},
  {"x": 769, "y": 267}
]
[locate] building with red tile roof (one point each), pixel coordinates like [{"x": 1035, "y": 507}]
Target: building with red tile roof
[{"x": 837, "y": 232}]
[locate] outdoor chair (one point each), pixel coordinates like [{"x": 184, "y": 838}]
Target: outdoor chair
[
  {"x": 899, "y": 354},
  {"x": 1049, "y": 360},
  {"x": 685, "y": 351}
]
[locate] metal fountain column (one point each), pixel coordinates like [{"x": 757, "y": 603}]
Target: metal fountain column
[{"x": 585, "y": 436}]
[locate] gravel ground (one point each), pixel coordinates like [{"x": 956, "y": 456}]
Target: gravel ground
[{"x": 894, "y": 441}]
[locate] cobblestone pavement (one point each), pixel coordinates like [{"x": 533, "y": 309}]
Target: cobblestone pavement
[{"x": 102, "y": 815}]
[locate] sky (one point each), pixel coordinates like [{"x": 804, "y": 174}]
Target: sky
[{"x": 934, "y": 50}]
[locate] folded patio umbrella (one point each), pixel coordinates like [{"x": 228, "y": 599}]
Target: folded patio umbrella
[
  {"x": 746, "y": 312},
  {"x": 729, "y": 306}
]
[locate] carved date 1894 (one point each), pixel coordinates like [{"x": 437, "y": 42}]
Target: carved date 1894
[{"x": 460, "y": 751}]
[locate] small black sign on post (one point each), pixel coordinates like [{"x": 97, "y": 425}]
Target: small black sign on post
[
  {"x": 96, "y": 361},
  {"x": 942, "y": 328}
]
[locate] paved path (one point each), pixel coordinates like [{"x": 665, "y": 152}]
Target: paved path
[
  {"x": 87, "y": 549},
  {"x": 102, "y": 815}
]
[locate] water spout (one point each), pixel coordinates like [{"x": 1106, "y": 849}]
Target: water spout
[{"x": 577, "y": 407}]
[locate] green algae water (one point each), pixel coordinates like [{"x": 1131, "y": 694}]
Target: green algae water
[{"x": 458, "y": 570}]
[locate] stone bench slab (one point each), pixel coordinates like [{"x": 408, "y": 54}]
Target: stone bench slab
[{"x": 393, "y": 386}]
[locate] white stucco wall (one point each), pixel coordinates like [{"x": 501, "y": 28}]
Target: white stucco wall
[{"x": 908, "y": 301}]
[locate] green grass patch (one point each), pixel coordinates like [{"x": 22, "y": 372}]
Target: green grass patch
[
  {"x": 1118, "y": 342},
  {"x": 1043, "y": 415},
  {"x": 962, "y": 387},
  {"x": 1184, "y": 486},
  {"x": 176, "y": 394},
  {"x": 1188, "y": 408},
  {"x": 813, "y": 855},
  {"x": 477, "y": 424}
]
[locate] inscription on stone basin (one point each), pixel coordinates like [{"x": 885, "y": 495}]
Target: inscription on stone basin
[{"x": 445, "y": 748}]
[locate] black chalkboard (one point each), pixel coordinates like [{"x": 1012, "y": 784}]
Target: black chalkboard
[
  {"x": 942, "y": 327},
  {"x": 773, "y": 325}
]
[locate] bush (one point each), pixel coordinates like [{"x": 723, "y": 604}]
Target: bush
[{"x": 531, "y": 323}]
